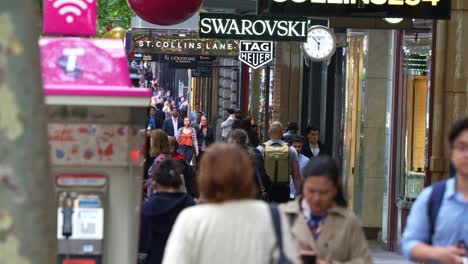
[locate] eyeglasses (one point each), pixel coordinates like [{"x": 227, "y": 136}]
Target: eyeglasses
[{"x": 461, "y": 147}]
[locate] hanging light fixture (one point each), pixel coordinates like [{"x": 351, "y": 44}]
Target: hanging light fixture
[{"x": 393, "y": 20}]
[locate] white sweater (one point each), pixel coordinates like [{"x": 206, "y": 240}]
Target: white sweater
[{"x": 239, "y": 232}]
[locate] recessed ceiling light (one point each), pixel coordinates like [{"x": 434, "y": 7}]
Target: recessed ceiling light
[{"x": 393, "y": 20}]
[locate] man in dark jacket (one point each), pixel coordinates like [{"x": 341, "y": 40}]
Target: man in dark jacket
[
  {"x": 161, "y": 210},
  {"x": 292, "y": 129},
  {"x": 313, "y": 148},
  {"x": 160, "y": 116},
  {"x": 172, "y": 124}
]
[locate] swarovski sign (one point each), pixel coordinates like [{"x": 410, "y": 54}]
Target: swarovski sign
[
  {"x": 256, "y": 53},
  {"x": 228, "y": 26}
]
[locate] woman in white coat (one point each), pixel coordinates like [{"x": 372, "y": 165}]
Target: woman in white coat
[{"x": 230, "y": 227}]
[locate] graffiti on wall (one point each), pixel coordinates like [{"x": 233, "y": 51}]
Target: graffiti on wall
[{"x": 87, "y": 144}]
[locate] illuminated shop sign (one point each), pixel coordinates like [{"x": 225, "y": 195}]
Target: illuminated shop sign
[
  {"x": 145, "y": 43},
  {"x": 428, "y": 9},
  {"x": 228, "y": 26}
]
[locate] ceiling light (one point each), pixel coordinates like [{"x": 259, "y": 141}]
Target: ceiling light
[{"x": 393, "y": 20}]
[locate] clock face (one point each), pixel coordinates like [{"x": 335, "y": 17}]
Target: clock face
[{"x": 320, "y": 43}]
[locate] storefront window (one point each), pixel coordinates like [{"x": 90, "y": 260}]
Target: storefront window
[{"x": 417, "y": 47}]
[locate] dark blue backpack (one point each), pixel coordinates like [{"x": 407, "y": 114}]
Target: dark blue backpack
[{"x": 434, "y": 204}]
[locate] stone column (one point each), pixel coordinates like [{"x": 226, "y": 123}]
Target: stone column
[
  {"x": 450, "y": 85},
  {"x": 371, "y": 174},
  {"x": 288, "y": 83}
]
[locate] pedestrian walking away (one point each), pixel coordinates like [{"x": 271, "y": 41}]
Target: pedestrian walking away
[
  {"x": 161, "y": 210},
  {"x": 263, "y": 182},
  {"x": 230, "y": 227},
  {"x": 281, "y": 161},
  {"x": 226, "y": 126}
]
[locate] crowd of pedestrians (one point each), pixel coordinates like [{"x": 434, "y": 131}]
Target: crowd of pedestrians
[{"x": 281, "y": 201}]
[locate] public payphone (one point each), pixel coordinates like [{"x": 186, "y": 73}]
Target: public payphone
[
  {"x": 95, "y": 122},
  {"x": 80, "y": 217}
]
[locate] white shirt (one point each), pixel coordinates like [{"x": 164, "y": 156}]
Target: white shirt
[
  {"x": 315, "y": 151},
  {"x": 175, "y": 124},
  {"x": 231, "y": 232}
]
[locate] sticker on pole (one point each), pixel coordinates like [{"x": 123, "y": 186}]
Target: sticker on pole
[
  {"x": 70, "y": 17},
  {"x": 256, "y": 53}
]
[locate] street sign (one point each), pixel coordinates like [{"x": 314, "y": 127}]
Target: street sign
[
  {"x": 275, "y": 28},
  {"x": 144, "y": 42},
  {"x": 70, "y": 17},
  {"x": 256, "y": 53},
  {"x": 426, "y": 9}
]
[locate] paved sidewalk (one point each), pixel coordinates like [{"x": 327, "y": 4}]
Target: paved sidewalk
[{"x": 385, "y": 257}]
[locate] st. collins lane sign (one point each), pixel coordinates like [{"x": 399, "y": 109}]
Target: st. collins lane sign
[
  {"x": 426, "y": 9},
  {"x": 272, "y": 28}
]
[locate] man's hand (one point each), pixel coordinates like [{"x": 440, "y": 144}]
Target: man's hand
[{"x": 449, "y": 255}]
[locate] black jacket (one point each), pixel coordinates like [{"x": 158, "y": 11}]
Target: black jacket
[
  {"x": 157, "y": 218},
  {"x": 168, "y": 127},
  {"x": 160, "y": 117},
  {"x": 306, "y": 151},
  {"x": 209, "y": 138}
]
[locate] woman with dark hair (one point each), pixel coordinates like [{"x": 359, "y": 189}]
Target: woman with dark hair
[
  {"x": 321, "y": 223},
  {"x": 161, "y": 210},
  {"x": 230, "y": 227},
  {"x": 246, "y": 125},
  {"x": 263, "y": 182},
  {"x": 205, "y": 136}
]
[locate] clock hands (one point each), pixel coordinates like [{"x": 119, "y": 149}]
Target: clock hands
[{"x": 318, "y": 43}]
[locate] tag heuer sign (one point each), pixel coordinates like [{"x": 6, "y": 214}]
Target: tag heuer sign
[
  {"x": 256, "y": 53},
  {"x": 275, "y": 28}
]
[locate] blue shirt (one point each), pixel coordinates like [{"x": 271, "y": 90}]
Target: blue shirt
[{"x": 451, "y": 224}]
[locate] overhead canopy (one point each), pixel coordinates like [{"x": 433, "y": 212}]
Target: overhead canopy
[{"x": 238, "y": 6}]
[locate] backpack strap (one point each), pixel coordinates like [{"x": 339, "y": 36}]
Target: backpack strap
[
  {"x": 276, "y": 218},
  {"x": 434, "y": 204}
]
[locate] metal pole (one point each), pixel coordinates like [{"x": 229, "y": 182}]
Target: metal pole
[
  {"x": 27, "y": 215},
  {"x": 267, "y": 103}
]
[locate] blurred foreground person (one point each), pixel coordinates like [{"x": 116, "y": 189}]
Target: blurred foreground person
[
  {"x": 231, "y": 227},
  {"x": 322, "y": 225},
  {"x": 158, "y": 145},
  {"x": 437, "y": 226},
  {"x": 161, "y": 210}
]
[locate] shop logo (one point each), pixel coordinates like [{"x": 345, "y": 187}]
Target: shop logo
[
  {"x": 256, "y": 53},
  {"x": 228, "y": 26},
  {"x": 71, "y": 8}
]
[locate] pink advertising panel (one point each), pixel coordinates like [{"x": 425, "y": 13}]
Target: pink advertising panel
[
  {"x": 86, "y": 67},
  {"x": 70, "y": 17}
]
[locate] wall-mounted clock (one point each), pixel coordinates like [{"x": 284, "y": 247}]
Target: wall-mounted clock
[{"x": 321, "y": 43}]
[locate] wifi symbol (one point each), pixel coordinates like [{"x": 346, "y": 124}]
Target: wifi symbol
[{"x": 71, "y": 8}]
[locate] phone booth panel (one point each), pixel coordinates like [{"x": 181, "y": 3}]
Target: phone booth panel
[{"x": 95, "y": 127}]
